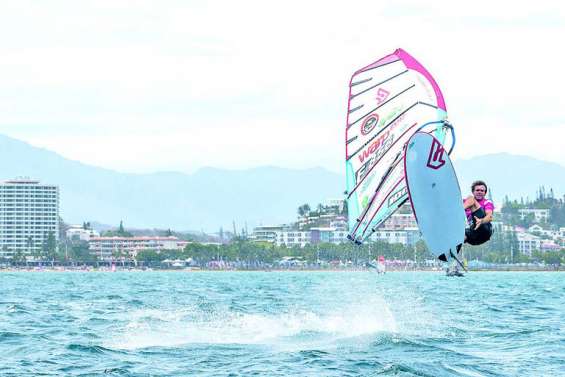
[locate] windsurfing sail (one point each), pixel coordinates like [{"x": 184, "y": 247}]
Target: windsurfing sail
[{"x": 389, "y": 101}]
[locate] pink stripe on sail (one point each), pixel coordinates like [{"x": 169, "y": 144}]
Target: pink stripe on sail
[
  {"x": 412, "y": 63},
  {"x": 387, "y": 59}
]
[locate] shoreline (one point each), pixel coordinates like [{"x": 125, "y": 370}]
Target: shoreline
[{"x": 198, "y": 270}]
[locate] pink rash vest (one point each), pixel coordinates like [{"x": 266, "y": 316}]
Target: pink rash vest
[{"x": 485, "y": 205}]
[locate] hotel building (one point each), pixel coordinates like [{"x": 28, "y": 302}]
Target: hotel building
[
  {"x": 107, "y": 248},
  {"x": 267, "y": 233},
  {"x": 527, "y": 243},
  {"x": 29, "y": 212}
]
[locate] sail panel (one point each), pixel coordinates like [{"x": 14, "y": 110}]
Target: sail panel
[{"x": 389, "y": 101}]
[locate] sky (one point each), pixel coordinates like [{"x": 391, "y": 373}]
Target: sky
[{"x": 145, "y": 86}]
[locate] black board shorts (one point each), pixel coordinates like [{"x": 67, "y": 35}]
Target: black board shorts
[{"x": 480, "y": 235}]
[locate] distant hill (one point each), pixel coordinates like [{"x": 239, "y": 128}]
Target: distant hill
[
  {"x": 206, "y": 200},
  {"x": 515, "y": 176},
  {"x": 212, "y": 197}
]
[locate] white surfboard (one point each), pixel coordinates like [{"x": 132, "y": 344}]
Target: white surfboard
[{"x": 434, "y": 193}]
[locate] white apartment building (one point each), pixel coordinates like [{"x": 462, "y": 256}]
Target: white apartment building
[
  {"x": 329, "y": 235},
  {"x": 300, "y": 238},
  {"x": 390, "y": 236},
  {"x": 339, "y": 223},
  {"x": 527, "y": 243},
  {"x": 29, "y": 212},
  {"x": 540, "y": 215},
  {"x": 538, "y": 230},
  {"x": 557, "y": 236},
  {"x": 339, "y": 203},
  {"x": 266, "y": 233},
  {"x": 400, "y": 221},
  {"x": 104, "y": 247},
  {"x": 407, "y": 236},
  {"x": 77, "y": 232},
  {"x": 293, "y": 238}
]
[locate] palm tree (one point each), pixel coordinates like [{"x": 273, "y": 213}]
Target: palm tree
[
  {"x": 303, "y": 209},
  {"x": 50, "y": 247},
  {"x": 18, "y": 257},
  {"x": 29, "y": 244}
]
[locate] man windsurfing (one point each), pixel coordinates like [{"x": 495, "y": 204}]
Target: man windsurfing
[
  {"x": 479, "y": 214},
  {"x": 478, "y": 210}
]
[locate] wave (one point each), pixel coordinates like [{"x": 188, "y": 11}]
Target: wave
[
  {"x": 90, "y": 348},
  {"x": 8, "y": 335},
  {"x": 220, "y": 325}
]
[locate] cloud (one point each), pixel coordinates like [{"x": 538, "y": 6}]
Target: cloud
[
  {"x": 484, "y": 135},
  {"x": 257, "y": 79}
]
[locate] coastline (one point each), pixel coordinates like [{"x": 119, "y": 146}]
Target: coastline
[{"x": 197, "y": 270}]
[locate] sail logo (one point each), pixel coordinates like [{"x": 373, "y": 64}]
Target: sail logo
[
  {"x": 435, "y": 159},
  {"x": 397, "y": 196},
  {"x": 372, "y": 155},
  {"x": 369, "y": 124},
  {"x": 374, "y": 147},
  {"x": 382, "y": 95}
]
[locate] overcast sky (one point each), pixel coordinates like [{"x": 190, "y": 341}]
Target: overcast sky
[{"x": 143, "y": 86}]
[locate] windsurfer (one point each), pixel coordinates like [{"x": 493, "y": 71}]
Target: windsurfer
[
  {"x": 478, "y": 210},
  {"x": 479, "y": 214}
]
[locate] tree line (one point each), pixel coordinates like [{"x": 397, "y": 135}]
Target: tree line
[
  {"x": 248, "y": 251},
  {"x": 501, "y": 249},
  {"x": 545, "y": 199}
]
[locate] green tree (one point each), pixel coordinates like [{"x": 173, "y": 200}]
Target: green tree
[
  {"x": 150, "y": 257},
  {"x": 49, "y": 247},
  {"x": 345, "y": 209},
  {"x": 528, "y": 220},
  {"x": 80, "y": 253},
  {"x": 303, "y": 209},
  {"x": 19, "y": 258},
  {"x": 120, "y": 232},
  {"x": 120, "y": 255},
  {"x": 63, "y": 227},
  {"x": 556, "y": 257},
  {"x": 422, "y": 251},
  {"x": 557, "y": 213},
  {"x": 31, "y": 250}
]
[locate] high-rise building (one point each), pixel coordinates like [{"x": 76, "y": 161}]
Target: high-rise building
[{"x": 29, "y": 212}]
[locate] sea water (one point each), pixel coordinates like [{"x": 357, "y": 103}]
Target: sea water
[{"x": 281, "y": 324}]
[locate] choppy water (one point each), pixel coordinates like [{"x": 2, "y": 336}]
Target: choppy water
[{"x": 282, "y": 324}]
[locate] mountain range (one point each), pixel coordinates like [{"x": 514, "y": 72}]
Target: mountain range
[{"x": 211, "y": 197}]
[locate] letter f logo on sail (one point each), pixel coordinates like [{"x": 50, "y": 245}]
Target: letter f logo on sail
[{"x": 435, "y": 159}]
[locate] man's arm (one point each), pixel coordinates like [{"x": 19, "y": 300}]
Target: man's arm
[
  {"x": 471, "y": 203},
  {"x": 484, "y": 220},
  {"x": 488, "y": 217}
]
